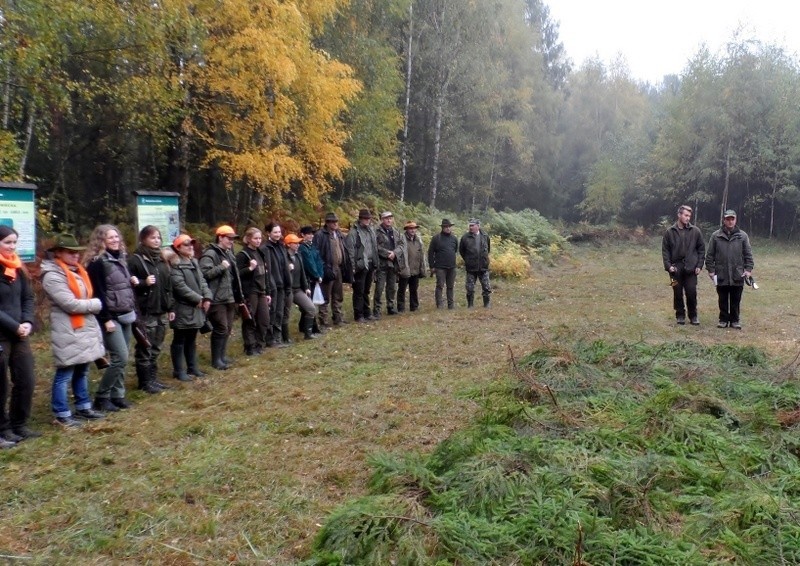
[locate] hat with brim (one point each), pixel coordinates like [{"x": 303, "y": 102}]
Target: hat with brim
[
  {"x": 474, "y": 222},
  {"x": 364, "y": 214},
  {"x": 331, "y": 217},
  {"x": 307, "y": 230},
  {"x": 226, "y": 230},
  {"x": 729, "y": 214},
  {"x": 292, "y": 239},
  {"x": 410, "y": 225},
  {"x": 446, "y": 223},
  {"x": 182, "y": 239},
  {"x": 386, "y": 214},
  {"x": 67, "y": 242}
]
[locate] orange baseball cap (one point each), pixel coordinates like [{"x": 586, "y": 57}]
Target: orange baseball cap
[
  {"x": 292, "y": 239},
  {"x": 182, "y": 239},
  {"x": 226, "y": 230}
]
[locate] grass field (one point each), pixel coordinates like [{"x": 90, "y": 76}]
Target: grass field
[{"x": 245, "y": 466}]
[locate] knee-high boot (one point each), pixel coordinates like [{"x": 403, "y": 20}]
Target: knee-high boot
[
  {"x": 178, "y": 362},
  {"x": 190, "y": 354},
  {"x": 154, "y": 376},
  {"x": 144, "y": 379},
  {"x": 285, "y": 334},
  {"x": 217, "y": 353}
]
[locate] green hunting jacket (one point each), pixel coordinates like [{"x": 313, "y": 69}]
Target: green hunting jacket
[{"x": 729, "y": 255}]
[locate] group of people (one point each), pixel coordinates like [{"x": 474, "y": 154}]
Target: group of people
[
  {"x": 728, "y": 259},
  {"x": 101, "y": 297}
]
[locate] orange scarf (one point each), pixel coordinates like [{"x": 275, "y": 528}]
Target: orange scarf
[
  {"x": 72, "y": 282},
  {"x": 10, "y": 265}
]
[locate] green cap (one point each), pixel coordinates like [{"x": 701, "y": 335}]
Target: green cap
[
  {"x": 67, "y": 242},
  {"x": 730, "y": 212}
]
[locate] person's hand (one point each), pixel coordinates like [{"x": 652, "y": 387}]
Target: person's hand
[
  {"x": 134, "y": 280},
  {"x": 225, "y": 263},
  {"x": 746, "y": 273},
  {"x": 697, "y": 271},
  {"x": 711, "y": 275},
  {"x": 308, "y": 292},
  {"x": 110, "y": 326},
  {"x": 672, "y": 269},
  {"x": 392, "y": 256},
  {"x": 24, "y": 329},
  {"x": 171, "y": 316},
  {"x": 206, "y": 305},
  {"x": 253, "y": 265},
  {"x": 291, "y": 266},
  {"x": 151, "y": 280},
  {"x": 269, "y": 300}
]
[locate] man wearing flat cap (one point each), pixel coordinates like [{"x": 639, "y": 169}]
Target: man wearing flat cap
[
  {"x": 362, "y": 249},
  {"x": 442, "y": 261},
  {"x": 336, "y": 270},
  {"x": 390, "y": 253},
  {"x": 413, "y": 266},
  {"x": 729, "y": 261},
  {"x": 474, "y": 249}
]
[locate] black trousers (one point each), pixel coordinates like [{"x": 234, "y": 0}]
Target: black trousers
[
  {"x": 730, "y": 297},
  {"x": 362, "y": 284},
  {"x": 687, "y": 284},
  {"x": 412, "y": 284},
  {"x": 18, "y": 358}
]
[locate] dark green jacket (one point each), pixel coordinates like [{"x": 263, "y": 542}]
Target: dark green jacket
[
  {"x": 684, "y": 253},
  {"x": 221, "y": 280},
  {"x": 729, "y": 256},
  {"x": 189, "y": 288},
  {"x": 474, "y": 250}
]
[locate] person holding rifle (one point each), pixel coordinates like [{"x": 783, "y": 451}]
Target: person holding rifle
[{"x": 683, "y": 252}]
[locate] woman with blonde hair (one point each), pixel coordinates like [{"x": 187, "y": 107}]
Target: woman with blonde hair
[
  {"x": 106, "y": 263},
  {"x": 258, "y": 287}
]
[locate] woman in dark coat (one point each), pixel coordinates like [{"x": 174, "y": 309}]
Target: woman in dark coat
[
  {"x": 192, "y": 300},
  {"x": 16, "y": 324},
  {"x": 154, "y": 301},
  {"x": 258, "y": 288}
]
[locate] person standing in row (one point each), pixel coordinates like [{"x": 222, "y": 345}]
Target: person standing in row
[
  {"x": 217, "y": 264},
  {"x": 282, "y": 301},
  {"x": 474, "y": 248},
  {"x": 301, "y": 289},
  {"x": 683, "y": 253},
  {"x": 155, "y": 305},
  {"x": 362, "y": 249},
  {"x": 107, "y": 265},
  {"x": 729, "y": 261},
  {"x": 336, "y": 270},
  {"x": 192, "y": 302},
  {"x": 258, "y": 288},
  {"x": 312, "y": 263},
  {"x": 390, "y": 252},
  {"x": 74, "y": 330},
  {"x": 16, "y": 325},
  {"x": 413, "y": 266},
  {"x": 442, "y": 260}
]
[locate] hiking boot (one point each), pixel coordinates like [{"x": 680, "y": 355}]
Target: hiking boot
[
  {"x": 121, "y": 403},
  {"x": 89, "y": 414},
  {"x": 162, "y": 386},
  {"x": 722, "y": 324},
  {"x": 25, "y": 433},
  {"x": 736, "y": 325},
  {"x": 104, "y": 405},
  {"x": 694, "y": 320},
  {"x": 4, "y": 444},
  {"x": 68, "y": 422},
  {"x": 150, "y": 387},
  {"x": 680, "y": 320}
]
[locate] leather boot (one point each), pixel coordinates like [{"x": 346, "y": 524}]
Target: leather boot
[
  {"x": 178, "y": 367},
  {"x": 486, "y": 302},
  {"x": 217, "y": 347},
  {"x": 285, "y": 334},
  {"x": 190, "y": 354},
  {"x": 470, "y": 300},
  {"x": 144, "y": 380},
  {"x": 154, "y": 377}
]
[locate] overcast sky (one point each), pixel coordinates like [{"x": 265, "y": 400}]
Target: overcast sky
[{"x": 659, "y": 37}]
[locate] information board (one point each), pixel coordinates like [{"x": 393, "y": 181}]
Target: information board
[
  {"x": 161, "y": 210},
  {"x": 18, "y": 210}
]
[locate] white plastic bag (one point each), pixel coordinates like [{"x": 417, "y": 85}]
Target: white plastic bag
[{"x": 318, "y": 299}]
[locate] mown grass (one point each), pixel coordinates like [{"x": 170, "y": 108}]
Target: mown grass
[{"x": 246, "y": 466}]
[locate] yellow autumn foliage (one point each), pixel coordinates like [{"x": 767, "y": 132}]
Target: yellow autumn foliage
[{"x": 271, "y": 105}]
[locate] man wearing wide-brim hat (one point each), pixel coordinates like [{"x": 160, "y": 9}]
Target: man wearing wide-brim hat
[
  {"x": 413, "y": 266},
  {"x": 729, "y": 260},
  {"x": 335, "y": 270},
  {"x": 362, "y": 249},
  {"x": 442, "y": 260}
]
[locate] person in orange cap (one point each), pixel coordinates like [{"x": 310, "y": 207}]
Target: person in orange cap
[
  {"x": 301, "y": 289},
  {"x": 218, "y": 264}
]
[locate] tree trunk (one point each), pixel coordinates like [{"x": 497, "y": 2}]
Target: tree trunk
[
  {"x": 436, "y": 147},
  {"x": 727, "y": 182},
  {"x": 772, "y": 204},
  {"x": 404, "y": 151},
  {"x": 28, "y": 138}
]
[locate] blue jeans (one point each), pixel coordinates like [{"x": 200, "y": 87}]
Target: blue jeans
[
  {"x": 117, "y": 344},
  {"x": 78, "y": 375}
]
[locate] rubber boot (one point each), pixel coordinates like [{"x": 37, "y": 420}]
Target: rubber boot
[
  {"x": 486, "y": 302},
  {"x": 224, "y": 352},
  {"x": 470, "y": 300},
  {"x": 308, "y": 330},
  {"x": 285, "y": 334},
  {"x": 217, "y": 345},
  {"x": 178, "y": 367},
  {"x": 190, "y": 355}
]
